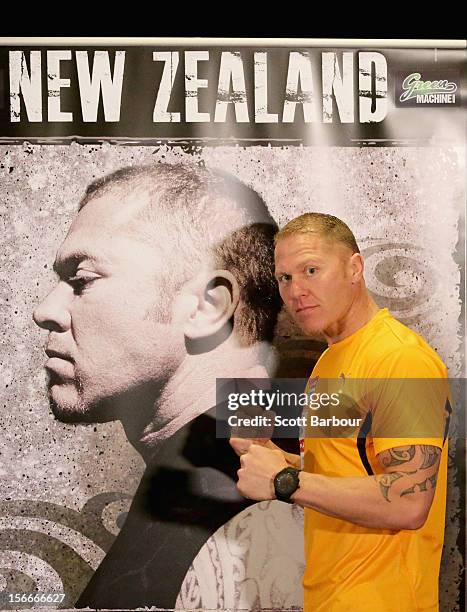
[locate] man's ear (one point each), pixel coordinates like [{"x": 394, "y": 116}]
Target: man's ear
[
  {"x": 356, "y": 267},
  {"x": 206, "y": 303}
]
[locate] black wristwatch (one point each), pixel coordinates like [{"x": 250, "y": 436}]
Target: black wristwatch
[{"x": 286, "y": 482}]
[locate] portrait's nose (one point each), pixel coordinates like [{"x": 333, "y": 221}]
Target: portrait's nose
[{"x": 53, "y": 312}]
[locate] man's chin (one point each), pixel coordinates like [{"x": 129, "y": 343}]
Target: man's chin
[
  {"x": 309, "y": 324},
  {"x": 313, "y": 331},
  {"x": 69, "y": 407}
]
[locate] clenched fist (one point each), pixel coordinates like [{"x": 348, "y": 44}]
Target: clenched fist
[{"x": 259, "y": 465}]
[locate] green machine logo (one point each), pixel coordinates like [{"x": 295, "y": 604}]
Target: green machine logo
[{"x": 417, "y": 91}]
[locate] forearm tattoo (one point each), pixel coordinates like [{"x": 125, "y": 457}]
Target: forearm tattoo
[{"x": 405, "y": 455}]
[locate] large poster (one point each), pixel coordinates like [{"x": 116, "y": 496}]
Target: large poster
[{"x": 115, "y": 491}]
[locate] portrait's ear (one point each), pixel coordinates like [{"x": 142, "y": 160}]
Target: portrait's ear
[{"x": 206, "y": 303}]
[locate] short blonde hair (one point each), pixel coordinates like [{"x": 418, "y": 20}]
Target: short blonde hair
[{"x": 328, "y": 226}]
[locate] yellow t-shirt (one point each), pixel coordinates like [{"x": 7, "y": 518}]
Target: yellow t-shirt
[{"x": 352, "y": 568}]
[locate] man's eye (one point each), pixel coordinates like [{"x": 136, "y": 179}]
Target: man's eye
[
  {"x": 282, "y": 278},
  {"x": 80, "y": 282},
  {"x": 311, "y": 270}
]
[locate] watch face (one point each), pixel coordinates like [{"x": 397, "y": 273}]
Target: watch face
[{"x": 286, "y": 483}]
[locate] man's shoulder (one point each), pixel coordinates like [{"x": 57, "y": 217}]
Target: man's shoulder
[{"x": 395, "y": 349}]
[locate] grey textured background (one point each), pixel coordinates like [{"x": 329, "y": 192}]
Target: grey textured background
[{"x": 63, "y": 488}]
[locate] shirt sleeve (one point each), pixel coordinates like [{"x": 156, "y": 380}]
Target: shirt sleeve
[{"x": 409, "y": 400}]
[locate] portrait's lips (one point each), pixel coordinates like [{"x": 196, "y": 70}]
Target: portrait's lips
[
  {"x": 59, "y": 355},
  {"x": 59, "y": 364}
]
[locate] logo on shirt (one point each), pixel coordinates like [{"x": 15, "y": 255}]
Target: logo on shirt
[{"x": 311, "y": 384}]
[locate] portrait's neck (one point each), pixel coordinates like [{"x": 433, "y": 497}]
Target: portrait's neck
[
  {"x": 191, "y": 391},
  {"x": 362, "y": 309}
]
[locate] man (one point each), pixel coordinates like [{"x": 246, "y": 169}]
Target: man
[
  {"x": 165, "y": 283},
  {"x": 374, "y": 513}
]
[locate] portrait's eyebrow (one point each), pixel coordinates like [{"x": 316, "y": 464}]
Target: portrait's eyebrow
[{"x": 67, "y": 264}]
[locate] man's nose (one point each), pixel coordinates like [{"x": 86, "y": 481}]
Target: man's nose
[
  {"x": 298, "y": 288},
  {"x": 53, "y": 312}
]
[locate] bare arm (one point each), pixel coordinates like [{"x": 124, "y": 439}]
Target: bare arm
[{"x": 398, "y": 498}]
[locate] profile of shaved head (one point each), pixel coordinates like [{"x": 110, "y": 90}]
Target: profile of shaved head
[
  {"x": 167, "y": 270},
  {"x": 195, "y": 214}
]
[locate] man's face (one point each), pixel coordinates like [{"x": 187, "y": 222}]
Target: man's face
[
  {"x": 106, "y": 340},
  {"x": 315, "y": 282}
]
